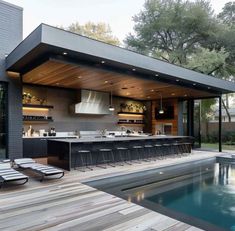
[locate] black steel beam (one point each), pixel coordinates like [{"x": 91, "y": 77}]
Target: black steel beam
[{"x": 220, "y": 123}]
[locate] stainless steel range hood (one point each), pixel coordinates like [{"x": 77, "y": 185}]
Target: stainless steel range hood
[{"x": 91, "y": 102}]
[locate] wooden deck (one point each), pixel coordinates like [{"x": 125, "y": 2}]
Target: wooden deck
[{"x": 67, "y": 204}]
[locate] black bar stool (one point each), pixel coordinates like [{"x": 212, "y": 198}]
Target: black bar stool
[
  {"x": 86, "y": 159},
  {"x": 137, "y": 152},
  {"x": 124, "y": 155},
  {"x": 187, "y": 148},
  {"x": 177, "y": 149},
  {"x": 167, "y": 149},
  {"x": 105, "y": 156},
  {"x": 159, "y": 152},
  {"x": 148, "y": 155}
]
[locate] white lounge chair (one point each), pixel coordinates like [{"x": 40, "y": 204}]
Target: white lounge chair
[
  {"x": 8, "y": 174},
  {"x": 43, "y": 170}
]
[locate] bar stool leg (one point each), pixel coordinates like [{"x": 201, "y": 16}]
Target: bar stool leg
[
  {"x": 136, "y": 158},
  {"x": 128, "y": 157},
  {"x": 145, "y": 156},
  {"x": 82, "y": 161},
  {"x": 87, "y": 165},
  {"x": 103, "y": 160},
  {"x": 111, "y": 160},
  {"x": 120, "y": 163}
]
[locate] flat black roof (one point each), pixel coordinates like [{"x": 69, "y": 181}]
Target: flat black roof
[{"x": 46, "y": 41}]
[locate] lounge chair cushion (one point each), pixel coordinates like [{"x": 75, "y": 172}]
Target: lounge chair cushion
[
  {"x": 9, "y": 174},
  {"x": 46, "y": 170},
  {"x": 4, "y": 165},
  {"x": 24, "y": 161}
]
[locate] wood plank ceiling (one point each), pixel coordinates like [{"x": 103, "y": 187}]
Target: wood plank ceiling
[{"x": 59, "y": 74}]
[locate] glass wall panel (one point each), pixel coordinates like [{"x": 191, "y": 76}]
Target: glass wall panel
[
  {"x": 209, "y": 125},
  {"x": 3, "y": 120},
  {"x": 228, "y": 122}
]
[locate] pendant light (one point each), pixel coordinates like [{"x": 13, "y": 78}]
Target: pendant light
[
  {"x": 161, "y": 111},
  {"x": 111, "y": 108}
]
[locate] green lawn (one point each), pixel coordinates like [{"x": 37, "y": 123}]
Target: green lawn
[{"x": 216, "y": 146}]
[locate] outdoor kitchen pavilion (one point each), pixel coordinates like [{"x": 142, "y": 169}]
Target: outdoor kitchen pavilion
[{"x": 53, "y": 57}]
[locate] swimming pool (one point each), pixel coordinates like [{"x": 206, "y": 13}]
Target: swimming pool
[{"x": 200, "y": 193}]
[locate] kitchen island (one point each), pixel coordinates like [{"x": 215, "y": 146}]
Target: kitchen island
[{"x": 64, "y": 153}]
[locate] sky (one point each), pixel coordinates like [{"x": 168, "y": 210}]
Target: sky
[{"x": 117, "y": 13}]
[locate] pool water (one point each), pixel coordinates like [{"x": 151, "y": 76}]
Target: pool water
[
  {"x": 211, "y": 199},
  {"x": 200, "y": 193}
]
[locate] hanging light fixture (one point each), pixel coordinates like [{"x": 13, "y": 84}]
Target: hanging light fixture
[
  {"x": 161, "y": 111},
  {"x": 111, "y": 107}
]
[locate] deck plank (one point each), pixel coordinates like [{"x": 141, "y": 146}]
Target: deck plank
[{"x": 67, "y": 204}]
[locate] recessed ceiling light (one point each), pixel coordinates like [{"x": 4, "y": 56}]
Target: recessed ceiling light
[
  {"x": 194, "y": 84},
  {"x": 57, "y": 83},
  {"x": 79, "y": 77},
  {"x": 133, "y": 69},
  {"x": 148, "y": 97},
  {"x": 156, "y": 75},
  {"x": 102, "y": 61},
  {"x": 177, "y": 80},
  {"x": 172, "y": 93},
  {"x": 152, "y": 90},
  {"x": 209, "y": 88},
  {"x": 127, "y": 93},
  {"x": 65, "y": 53},
  {"x": 185, "y": 95},
  {"x": 106, "y": 81}
]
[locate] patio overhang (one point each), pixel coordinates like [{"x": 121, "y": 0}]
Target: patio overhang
[{"x": 54, "y": 57}]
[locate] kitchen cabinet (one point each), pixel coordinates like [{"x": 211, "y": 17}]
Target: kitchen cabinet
[
  {"x": 37, "y": 147},
  {"x": 34, "y": 147}
]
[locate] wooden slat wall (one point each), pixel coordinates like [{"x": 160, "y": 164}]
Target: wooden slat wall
[{"x": 174, "y": 121}]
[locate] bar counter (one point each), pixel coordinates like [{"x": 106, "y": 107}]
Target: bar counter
[{"x": 63, "y": 153}]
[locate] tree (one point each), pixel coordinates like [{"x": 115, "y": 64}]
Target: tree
[
  {"x": 226, "y": 39},
  {"x": 188, "y": 34},
  {"x": 172, "y": 29},
  {"x": 207, "y": 61},
  {"x": 228, "y": 14},
  {"x": 227, "y": 34},
  {"x": 99, "y": 31}
]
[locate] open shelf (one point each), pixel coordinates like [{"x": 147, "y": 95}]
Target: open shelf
[
  {"x": 38, "y": 120},
  {"x": 130, "y": 113},
  {"x": 37, "y": 106},
  {"x": 121, "y": 123}
]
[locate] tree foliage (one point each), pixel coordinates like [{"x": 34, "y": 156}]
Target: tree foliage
[
  {"x": 228, "y": 14},
  {"x": 185, "y": 33},
  {"x": 207, "y": 61},
  {"x": 188, "y": 33},
  {"x": 99, "y": 31},
  {"x": 172, "y": 30}
]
